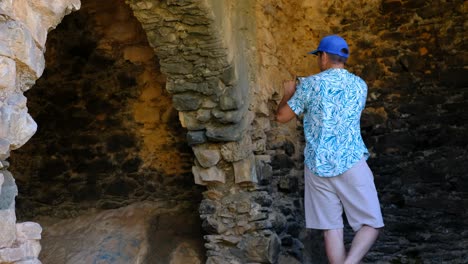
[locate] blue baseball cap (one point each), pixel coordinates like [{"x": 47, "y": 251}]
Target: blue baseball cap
[{"x": 333, "y": 44}]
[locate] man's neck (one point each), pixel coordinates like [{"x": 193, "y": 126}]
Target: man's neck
[{"x": 336, "y": 66}]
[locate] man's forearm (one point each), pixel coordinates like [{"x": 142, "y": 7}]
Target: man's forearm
[
  {"x": 284, "y": 113},
  {"x": 284, "y": 101}
]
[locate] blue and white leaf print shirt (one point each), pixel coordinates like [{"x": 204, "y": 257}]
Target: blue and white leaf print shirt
[{"x": 332, "y": 102}]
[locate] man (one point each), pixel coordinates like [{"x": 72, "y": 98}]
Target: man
[{"x": 336, "y": 175}]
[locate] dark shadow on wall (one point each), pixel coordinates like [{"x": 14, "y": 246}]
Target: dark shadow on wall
[{"x": 175, "y": 238}]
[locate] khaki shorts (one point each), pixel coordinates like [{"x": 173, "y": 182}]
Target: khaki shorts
[{"x": 354, "y": 190}]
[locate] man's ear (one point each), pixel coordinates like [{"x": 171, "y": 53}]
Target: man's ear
[{"x": 325, "y": 57}]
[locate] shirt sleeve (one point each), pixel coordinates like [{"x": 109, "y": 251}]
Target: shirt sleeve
[{"x": 298, "y": 100}]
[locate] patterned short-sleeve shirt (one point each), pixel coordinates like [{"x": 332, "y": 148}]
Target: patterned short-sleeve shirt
[{"x": 332, "y": 102}]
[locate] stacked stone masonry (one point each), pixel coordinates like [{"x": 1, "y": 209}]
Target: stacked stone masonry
[{"x": 210, "y": 95}]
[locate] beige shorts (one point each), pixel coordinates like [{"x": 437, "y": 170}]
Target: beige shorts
[{"x": 354, "y": 190}]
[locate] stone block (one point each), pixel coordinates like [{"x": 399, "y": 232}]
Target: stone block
[
  {"x": 7, "y": 73},
  {"x": 16, "y": 125},
  {"x": 187, "y": 102},
  {"x": 28, "y": 231},
  {"x": 230, "y": 132},
  {"x": 8, "y": 254},
  {"x": 212, "y": 174},
  {"x": 203, "y": 115},
  {"x": 245, "y": 170},
  {"x": 17, "y": 42},
  {"x": 196, "y": 137},
  {"x": 7, "y": 228},
  {"x": 229, "y": 75},
  {"x": 235, "y": 151},
  {"x": 189, "y": 120},
  {"x": 225, "y": 132},
  {"x": 261, "y": 249},
  {"x": 229, "y": 117},
  {"x": 232, "y": 99},
  {"x": 206, "y": 157},
  {"x": 30, "y": 249},
  {"x": 229, "y": 102},
  {"x": 180, "y": 86},
  {"x": 171, "y": 68},
  {"x": 197, "y": 178}
]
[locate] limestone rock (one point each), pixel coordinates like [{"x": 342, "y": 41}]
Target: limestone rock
[
  {"x": 16, "y": 42},
  {"x": 196, "y": 137},
  {"x": 245, "y": 171},
  {"x": 186, "y": 102},
  {"x": 28, "y": 231},
  {"x": 21, "y": 251},
  {"x": 235, "y": 151},
  {"x": 7, "y": 228},
  {"x": 7, "y": 75},
  {"x": 39, "y": 16},
  {"x": 212, "y": 174},
  {"x": 206, "y": 157},
  {"x": 262, "y": 249},
  {"x": 16, "y": 125}
]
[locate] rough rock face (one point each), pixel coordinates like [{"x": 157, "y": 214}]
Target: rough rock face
[{"x": 409, "y": 53}]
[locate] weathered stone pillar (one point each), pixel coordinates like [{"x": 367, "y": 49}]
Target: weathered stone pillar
[
  {"x": 24, "y": 25},
  {"x": 207, "y": 56}
]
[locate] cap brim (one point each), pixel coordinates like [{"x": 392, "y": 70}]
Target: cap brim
[{"x": 314, "y": 52}]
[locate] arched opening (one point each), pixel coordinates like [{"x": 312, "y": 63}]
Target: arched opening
[{"x": 108, "y": 136}]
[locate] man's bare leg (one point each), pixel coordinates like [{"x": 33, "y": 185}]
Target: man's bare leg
[
  {"x": 334, "y": 246},
  {"x": 362, "y": 242}
]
